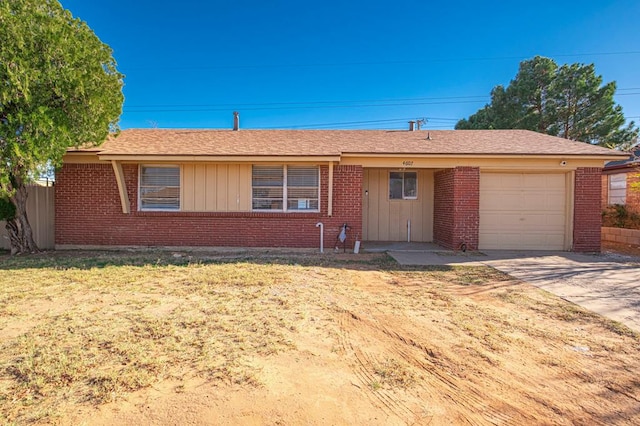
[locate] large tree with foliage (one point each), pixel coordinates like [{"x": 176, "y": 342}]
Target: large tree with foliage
[
  {"x": 569, "y": 101},
  {"x": 59, "y": 88}
]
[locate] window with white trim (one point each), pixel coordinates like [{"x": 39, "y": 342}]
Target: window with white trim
[
  {"x": 403, "y": 185},
  {"x": 159, "y": 187},
  {"x": 267, "y": 187},
  {"x": 618, "y": 188},
  {"x": 286, "y": 188}
]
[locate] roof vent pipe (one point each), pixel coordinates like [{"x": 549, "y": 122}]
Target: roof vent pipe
[
  {"x": 412, "y": 126},
  {"x": 236, "y": 120}
]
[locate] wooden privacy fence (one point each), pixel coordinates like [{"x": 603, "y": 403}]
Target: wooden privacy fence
[{"x": 41, "y": 213}]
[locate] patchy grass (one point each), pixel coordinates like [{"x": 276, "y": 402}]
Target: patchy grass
[
  {"x": 543, "y": 303},
  {"x": 458, "y": 274},
  {"x": 393, "y": 373},
  {"x": 92, "y": 327}
]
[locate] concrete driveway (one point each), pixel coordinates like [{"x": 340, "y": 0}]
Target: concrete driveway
[{"x": 604, "y": 283}]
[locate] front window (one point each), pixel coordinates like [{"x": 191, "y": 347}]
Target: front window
[
  {"x": 268, "y": 183},
  {"x": 618, "y": 188},
  {"x": 286, "y": 188},
  {"x": 302, "y": 188},
  {"x": 403, "y": 185},
  {"x": 159, "y": 188}
]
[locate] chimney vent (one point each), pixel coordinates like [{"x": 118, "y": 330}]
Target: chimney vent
[
  {"x": 236, "y": 120},
  {"x": 412, "y": 126}
]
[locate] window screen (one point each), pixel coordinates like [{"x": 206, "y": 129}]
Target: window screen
[
  {"x": 302, "y": 188},
  {"x": 403, "y": 185},
  {"x": 285, "y": 188},
  {"x": 268, "y": 183},
  {"x": 618, "y": 188},
  {"x": 159, "y": 188}
]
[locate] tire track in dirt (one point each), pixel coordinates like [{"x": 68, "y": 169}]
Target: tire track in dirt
[
  {"x": 442, "y": 386},
  {"x": 472, "y": 400},
  {"x": 456, "y": 389},
  {"x": 364, "y": 370}
]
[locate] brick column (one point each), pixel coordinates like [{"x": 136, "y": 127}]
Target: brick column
[
  {"x": 457, "y": 208},
  {"x": 347, "y": 203},
  {"x": 633, "y": 195},
  {"x": 587, "y": 216},
  {"x": 605, "y": 191}
]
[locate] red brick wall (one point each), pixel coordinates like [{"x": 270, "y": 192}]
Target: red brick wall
[
  {"x": 443, "y": 207},
  {"x": 457, "y": 207},
  {"x": 88, "y": 212},
  {"x": 633, "y": 195},
  {"x": 587, "y": 216},
  {"x": 605, "y": 191}
]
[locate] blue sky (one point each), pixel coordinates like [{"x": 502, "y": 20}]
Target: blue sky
[{"x": 347, "y": 64}]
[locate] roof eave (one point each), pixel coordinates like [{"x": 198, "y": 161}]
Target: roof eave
[
  {"x": 625, "y": 166},
  {"x": 604, "y": 157},
  {"x": 216, "y": 158}
]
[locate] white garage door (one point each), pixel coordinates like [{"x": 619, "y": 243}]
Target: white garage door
[{"x": 522, "y": 211}]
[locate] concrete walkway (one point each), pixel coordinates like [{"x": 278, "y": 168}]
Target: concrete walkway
[{"x": 604, "y": 283}]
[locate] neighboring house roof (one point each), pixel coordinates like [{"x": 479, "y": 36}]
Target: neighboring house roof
[
  {"x": 631, "y": 162},
  {"x": 176, "y": 142}
]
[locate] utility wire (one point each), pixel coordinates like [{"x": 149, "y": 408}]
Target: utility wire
[
  {"x": 304, "y": 107},
  {"x": 308, "y": 102},
  {"x": 369, "y": 63},
  {"x": 356, "y": 124},
  {"x": 313, "y": 104},
  {"x": 351, "y": 123}
]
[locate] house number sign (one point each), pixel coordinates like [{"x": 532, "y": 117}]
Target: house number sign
[{"x": 407, "y": 163}]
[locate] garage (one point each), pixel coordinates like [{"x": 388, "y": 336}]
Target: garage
[{"x": 523, "y": 211}]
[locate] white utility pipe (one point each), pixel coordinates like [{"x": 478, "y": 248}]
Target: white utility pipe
[
  {"x": 321, "y": 225},
  {"x": 409, "y": 230}
]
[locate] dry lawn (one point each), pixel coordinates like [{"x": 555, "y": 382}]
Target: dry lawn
[{"x": 265, "y": 338}]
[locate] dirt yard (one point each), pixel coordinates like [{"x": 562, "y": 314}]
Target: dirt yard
[
  {"x": 620, "y": 248},
  {"x": 192, "y": 339}
]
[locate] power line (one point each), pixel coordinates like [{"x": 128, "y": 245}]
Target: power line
[
  {"x": 343, "y": 123},
  {"x": 430, "y": 119},
  {"x": 303, "y": 107},
  {"x": 335, "y": 104},
  {"x": 370, "y": 126},
  {"x": 386, "y": 62},
  {"x": 311, "y": 104},
  {"x": 307, "y": 102},
  {"x": 307, "y": 106},
  {"x": 431, "y": 123},
  {"x": 358, "y": 123}
]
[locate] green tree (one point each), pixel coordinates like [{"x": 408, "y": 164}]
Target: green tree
[
  {"x": 59, "y": 88},
  {"x": 568, "y": 101}
]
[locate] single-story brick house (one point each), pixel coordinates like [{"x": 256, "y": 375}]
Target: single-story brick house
[
  {"x": 486, "y": 189},
  {"x": 617, "y": 180}
]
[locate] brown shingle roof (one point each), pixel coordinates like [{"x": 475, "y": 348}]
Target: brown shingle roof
[{"x": 339, "y": 142}]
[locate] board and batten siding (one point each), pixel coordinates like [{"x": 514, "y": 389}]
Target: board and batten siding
[
  {"x": 216, "y": 188},
  {"x": 386, "y": 220}
]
